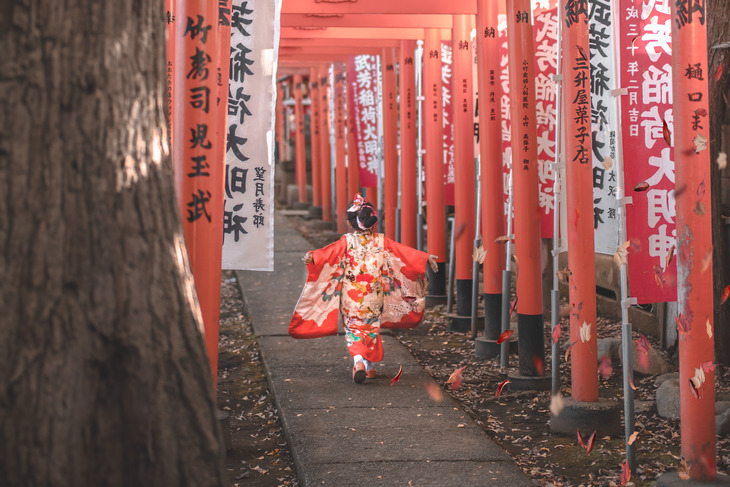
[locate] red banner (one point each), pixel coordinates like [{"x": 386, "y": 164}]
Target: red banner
[
  {"x": 362, "y": 77},
  {"x": 646, "y": 122},
  {"x": 446, "y": 73},
  {"x": 546, "y": 38}
]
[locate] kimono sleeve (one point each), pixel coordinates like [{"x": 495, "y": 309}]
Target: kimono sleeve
[
  {"x": 317, "y": 311},
  {"x": 407, "y": 286}
]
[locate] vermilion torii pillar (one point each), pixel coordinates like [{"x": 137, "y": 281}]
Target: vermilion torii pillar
[
  {"x": 694, "y": 237},
  {"x": 390, "y": 141},
  {"x": 525, "y": 177},
  {"x": 300, "y": 168},
  {"x": 353, "y": 166},
  {"x": 340, "y": 169},
  {"x": 433, "y": 132},
  {"x": 490, "y": 147},
  {"x": 324, "y": 143},
  {"x": 203, "y": 175},
  {"x": 280, "y": 120},
  {"x": 464, "y": 177},
  {"x": 408, "y": 169},
  {"x": 579, "y": 202},
  {"x": 315, "y": 210}
]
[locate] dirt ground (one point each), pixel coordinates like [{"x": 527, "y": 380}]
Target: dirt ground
[{"x": 518, "y": 421}]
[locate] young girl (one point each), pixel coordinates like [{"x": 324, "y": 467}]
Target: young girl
[{"x": 372, "y": 280}]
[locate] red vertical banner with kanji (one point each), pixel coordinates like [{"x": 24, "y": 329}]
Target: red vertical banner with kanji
[
  {"x": 647, "y": 122},
  {"x": 248, "y": 221},
  {"x": 362, "y": 76},
  {"x": 448, "y": 121}
]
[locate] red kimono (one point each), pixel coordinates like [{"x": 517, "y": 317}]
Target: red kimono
[{"x": 373, "y": 281}]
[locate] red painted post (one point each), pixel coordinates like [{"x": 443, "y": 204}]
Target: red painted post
[
  {"x": 408, "y": 169},
  {"x": 203, "y": 173},
  {"x": 314, "y": 143},
  {"x": 525, "y": 177},
  {"x": 579, "y": 203},
  {"x": 390, "y": 141},
  {"x": 353, "y": 168},
  {"x": 324, "y": 143},
  {"x": 340, "y": 169},
  {"x": 464, "y": 176},
  {"x": 433, "y": 133},
  {"x": 490, "y": 148},
  {"x": 300, "y": 167},
  {"x": 280, "y": 121},
  {"x": 372, "y": 195},
  {"x": 694, "y": 235}
]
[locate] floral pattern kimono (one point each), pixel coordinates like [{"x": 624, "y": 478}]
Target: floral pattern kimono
[{"x": 372, "y": 280}]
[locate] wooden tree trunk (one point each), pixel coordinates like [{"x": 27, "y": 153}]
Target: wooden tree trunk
[
  {"x": 104, "y": 379},
  {"x": 718, "y": 15}
]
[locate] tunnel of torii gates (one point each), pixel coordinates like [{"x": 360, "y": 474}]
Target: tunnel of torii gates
[{"x": 316, "y": 40}]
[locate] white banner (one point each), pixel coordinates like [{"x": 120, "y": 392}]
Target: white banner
[
  {"x": 604, "y": 123},
  {"x": 248, "y": 222}
]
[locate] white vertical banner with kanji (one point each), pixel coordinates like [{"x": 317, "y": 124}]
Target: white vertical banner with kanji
[
  {"x": 248, "y": 221},
  {"x": 604, "y": 124}
]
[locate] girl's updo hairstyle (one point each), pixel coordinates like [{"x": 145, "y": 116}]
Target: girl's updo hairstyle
[{"x": 361, "y": 214}]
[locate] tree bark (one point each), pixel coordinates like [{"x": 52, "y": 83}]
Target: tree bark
[
  {"x": 104, "y": 378},
  {"x": 718, "y": 15}
]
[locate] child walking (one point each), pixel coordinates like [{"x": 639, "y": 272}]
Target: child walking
[{"x": 371, "y": 280}]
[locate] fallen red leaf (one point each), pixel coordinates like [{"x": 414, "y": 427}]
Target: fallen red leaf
[
  {"x": 500, "y": 387},
  {"x": 642, "y": 186},
  {"x": 718, "y": 72},
  {"x": 580, "y": 438},
  {"x": 604, "y": 367},
  {"x": 683, "y": 470},
  {"x": 512, "y": 308},
  {"x": 706, "y": 261},
  {"x": 576, "y": 217},
  {"x": 501, "y": 240},
  {"x": 625, "y": 473},
  {"x": 670, "y": 255},
  {"x": 567, "y": 352},
  {"x": 455, "y": 378},
  {"x": 556, "y": 333},
  {"x": 642, "y": 344},
  {"x": 683, "y": 325},
  {"x": 582, "y": 53},
  {"x": 591, "y": 441},
  {"x": 701, "y": 191},
  {"x": 631, "y": 381},
  {"x": 395, "y": 379},
  {"x": 708, "y": 366},
  {"x": 434, "y": 392},
  {"x": 665, "y": 132},
  {"x": 504, "y": 336},
  {"x": 659, "y": 276},
  {"x": 725, "y": 294}
]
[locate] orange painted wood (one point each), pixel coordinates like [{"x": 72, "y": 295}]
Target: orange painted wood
[
  {"x": 367, "y": 20},
  {"x": 490, "y": 144},
  {"x": 379, "y": 7},
  {"x": 433, "y": 133},
  {"x": 524, "y": 160},
  {"x": 202, "y": 175},
  {"x": 353, "y": 169},
  {"x": 359, "y": 33},
  {"x": 692, "y": 169},
  {"x": 300, "y": 161},
  {"x": 408, "y": 168},
  {"x": 324, "y": 146},
  {"x": 579, "y": 207},
  {"x": 314, "y": 143},
  {"x": 340, "y": 169},
  {"x": 390, "y": 140},
  {"x": 464, "y": 176}
]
